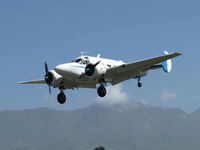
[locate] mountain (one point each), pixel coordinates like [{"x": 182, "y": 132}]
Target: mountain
[{"x": 125, "y": 126}]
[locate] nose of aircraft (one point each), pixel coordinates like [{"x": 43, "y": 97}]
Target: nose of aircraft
[{"x": 61, "y": 69}]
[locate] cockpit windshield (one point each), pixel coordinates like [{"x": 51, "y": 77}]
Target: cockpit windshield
[
  {"x": 84, "y": 61},
  {"x": 77, "y": 60}
]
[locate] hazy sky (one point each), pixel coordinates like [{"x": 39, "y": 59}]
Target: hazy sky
[{"x": 32, "y": 32}]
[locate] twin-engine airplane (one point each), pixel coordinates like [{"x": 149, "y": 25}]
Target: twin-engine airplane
[{"x": 87, "y": 72}]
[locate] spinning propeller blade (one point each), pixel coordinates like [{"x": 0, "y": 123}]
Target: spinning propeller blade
[{"x": 48, "y": 77}]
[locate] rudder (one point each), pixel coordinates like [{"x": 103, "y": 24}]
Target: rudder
[{"x": 167, "y": 65}]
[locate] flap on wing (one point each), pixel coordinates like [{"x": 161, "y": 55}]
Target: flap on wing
[
  {"x": 33, "y": 82},
  {"x": 155, "y": 67}
]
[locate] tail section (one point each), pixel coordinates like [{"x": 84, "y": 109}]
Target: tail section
[{"x": 167, "y": 65}]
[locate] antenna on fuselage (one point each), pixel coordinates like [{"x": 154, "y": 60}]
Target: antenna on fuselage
[
  {"x": 83, "y": 52},
  {"x": 98, "y": 55}
]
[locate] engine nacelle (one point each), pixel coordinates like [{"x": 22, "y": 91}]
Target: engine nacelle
[
  {"x": 56, "y": 79},
  {"x": 95, "y": 71}
]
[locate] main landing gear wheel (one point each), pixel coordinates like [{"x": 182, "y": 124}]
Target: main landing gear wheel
[
  {"x": 101, "y": 91},
  {"x": 61, "y": 97},
  {"x": 139, "y": 83}
]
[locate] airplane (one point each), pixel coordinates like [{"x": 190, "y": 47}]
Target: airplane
[{"x": 88, "y": 72}]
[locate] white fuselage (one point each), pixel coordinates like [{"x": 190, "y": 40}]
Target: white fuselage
[
  {"x": 87, "y": 72},
  {"x": 74, "y": 72}
]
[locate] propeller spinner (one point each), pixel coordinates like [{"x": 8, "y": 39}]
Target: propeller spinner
[{"x": 90, "y": 69}]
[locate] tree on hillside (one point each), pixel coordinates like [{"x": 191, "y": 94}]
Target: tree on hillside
[{"x": 100, "y": 148}]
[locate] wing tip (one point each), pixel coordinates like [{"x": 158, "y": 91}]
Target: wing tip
[
  {"x": 22, "y": 82},
  {"x": 178, "y": 54},
  {"x": 32, "y": 82},
  {"x": 174, "y": 54}
]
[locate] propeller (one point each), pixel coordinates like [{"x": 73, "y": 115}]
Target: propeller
[
  {"x": 90, "y": 68},
  {"x": 97, "y": 63},
  {"x": 48, "y": 76}
]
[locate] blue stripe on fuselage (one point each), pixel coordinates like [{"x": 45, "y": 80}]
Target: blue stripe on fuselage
[{"x": 78, "y": 66}]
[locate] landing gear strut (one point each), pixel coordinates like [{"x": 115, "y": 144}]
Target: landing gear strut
[
  {"x": 101, "y": 90},
  {"x": 139, "y": 83},
  {"x": 61, "y": 97}
]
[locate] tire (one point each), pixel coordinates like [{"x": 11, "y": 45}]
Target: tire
[
  {"x": 101, "y": 91},
  {"x": 139, "y": 84},
  {"x": 61, "y": 98}
]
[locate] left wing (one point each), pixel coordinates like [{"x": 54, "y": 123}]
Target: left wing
[
  {"x": 33, "y": 82},
  {"x": 127, "y": 71}
]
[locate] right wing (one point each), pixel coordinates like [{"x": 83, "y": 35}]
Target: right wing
[
  {"x": 33, "y": 82},
  {"x": 127, "y": 71}
]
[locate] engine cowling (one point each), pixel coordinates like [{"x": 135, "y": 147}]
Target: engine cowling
[
  {"x": 95, "y": 70},
  {"x": 89, "y": 70},
  {"x": 53, "y": 79}
]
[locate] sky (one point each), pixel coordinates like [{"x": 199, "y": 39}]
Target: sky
[{"x": 32, "y": 32}]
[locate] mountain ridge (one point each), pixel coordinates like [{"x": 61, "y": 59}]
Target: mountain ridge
[{"x": 121, "y": 126}]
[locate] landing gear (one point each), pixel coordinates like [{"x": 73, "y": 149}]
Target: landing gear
[
  {"x": 61, "y": 97},
  {"x": 139, "y": 83},
  {"x": 101, "y": 90}
]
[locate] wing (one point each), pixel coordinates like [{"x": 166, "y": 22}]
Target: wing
[
  {"x": 33, "y": 82},
  {"x": 127, "y": 71}
]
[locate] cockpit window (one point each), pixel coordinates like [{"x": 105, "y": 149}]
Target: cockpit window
[
  {"x": 85, "y": 62},
  {"x": 77, "y": 60},
  {"x": 82, "y": 61}
]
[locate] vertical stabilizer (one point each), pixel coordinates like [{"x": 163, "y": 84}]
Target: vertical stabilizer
[{"x": 167, "y": 65}]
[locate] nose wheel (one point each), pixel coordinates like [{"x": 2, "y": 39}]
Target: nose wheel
[
  {"x": 61, "y": 97},
  {"x": 101, "y": 91}
]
